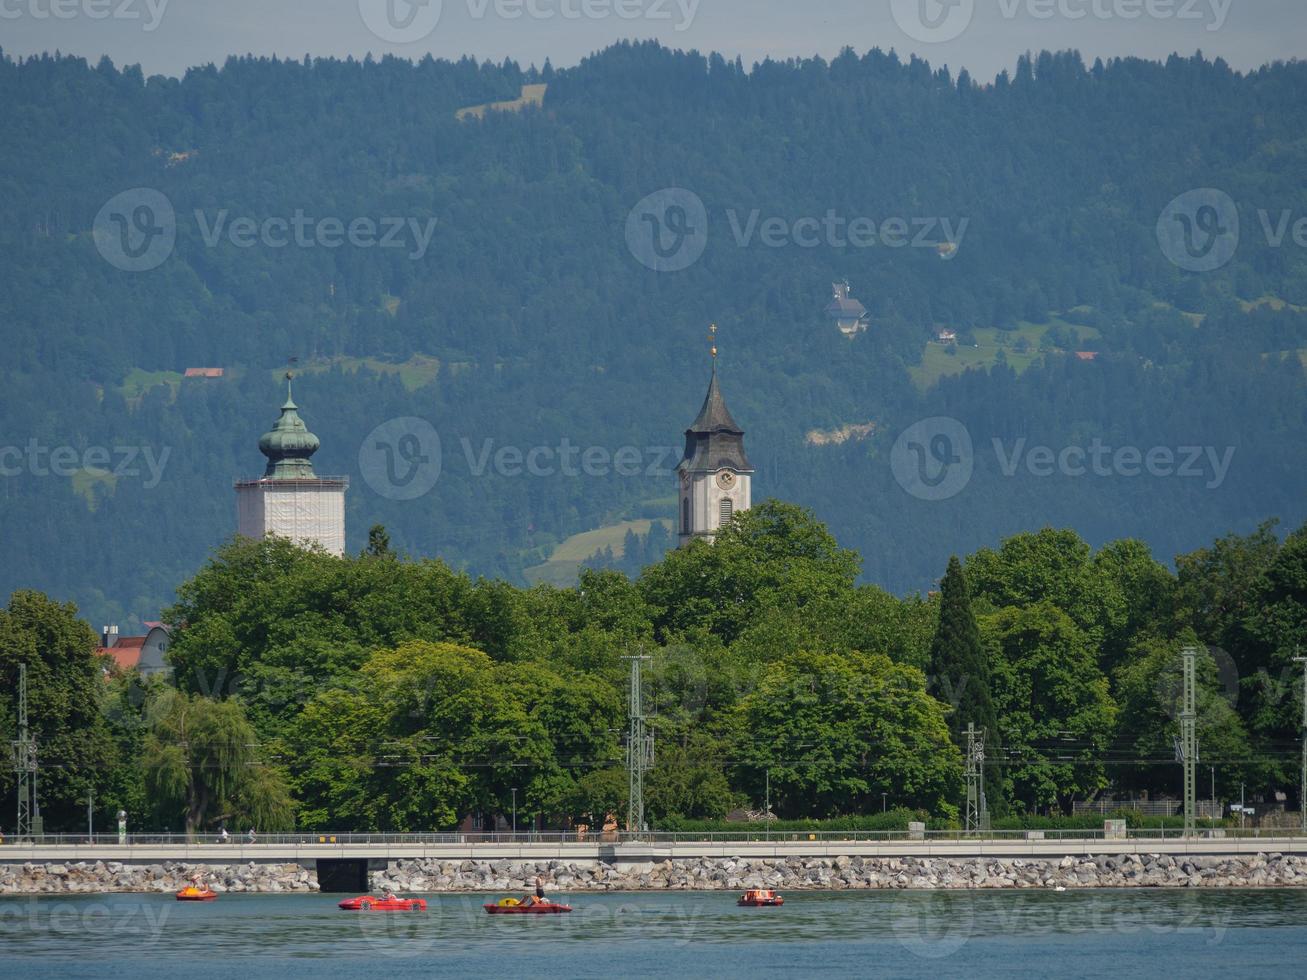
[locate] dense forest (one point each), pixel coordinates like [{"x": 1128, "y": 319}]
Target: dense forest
[
  {"x": 379, "y": 692},
  {"x": 527, "y": 319}
]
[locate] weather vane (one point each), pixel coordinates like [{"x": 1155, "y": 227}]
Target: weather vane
[{"x": 712, "y": 339}]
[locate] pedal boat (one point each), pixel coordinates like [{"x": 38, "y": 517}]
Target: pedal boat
[
  {"x": 370, "y": 903},
  {"x": 514, "y": 906}
]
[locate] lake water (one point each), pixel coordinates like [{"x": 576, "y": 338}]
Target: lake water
[{"x": 687, "y": 934}]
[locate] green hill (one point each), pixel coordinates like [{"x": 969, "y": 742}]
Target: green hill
[{"x": 338, "y": 212}]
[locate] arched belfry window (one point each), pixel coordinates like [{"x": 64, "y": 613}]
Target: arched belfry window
[
  {"x": 727, "y": 509},
  {"x": 685, "y": 515}
]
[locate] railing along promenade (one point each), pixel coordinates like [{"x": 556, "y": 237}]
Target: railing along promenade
[{"x": 627, "y": 847}]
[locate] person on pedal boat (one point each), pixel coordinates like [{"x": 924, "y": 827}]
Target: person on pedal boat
[{"x": 539, "y": 897}]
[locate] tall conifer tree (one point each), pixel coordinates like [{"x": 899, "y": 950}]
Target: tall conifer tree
[{"x": 959, "y": 669}]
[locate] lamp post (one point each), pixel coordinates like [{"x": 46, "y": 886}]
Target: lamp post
[
  {"x": 883, "y": 804},
  {"x": 514, "y": 811}
]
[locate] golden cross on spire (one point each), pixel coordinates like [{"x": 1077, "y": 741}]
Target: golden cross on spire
[{"x": 712, "y": 339}]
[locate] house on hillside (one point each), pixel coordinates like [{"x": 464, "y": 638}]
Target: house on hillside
[
  {"x": 849, "y": 315},
  {"x": 1087, "y": 355},
  {"x": 947, "y": 336},
  {"x": 203, "y": 373}
]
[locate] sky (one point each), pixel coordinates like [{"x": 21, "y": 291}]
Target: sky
[{"x": 984, "y": 36}]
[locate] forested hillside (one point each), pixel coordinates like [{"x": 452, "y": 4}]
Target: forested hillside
[{"x": 527, "y": 318}]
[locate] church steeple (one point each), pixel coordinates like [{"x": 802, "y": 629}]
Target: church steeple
[
  {"x": 714, "y": 439},
  {"x": 715, "y": 475},
  {"x": 289, "y": 444}
]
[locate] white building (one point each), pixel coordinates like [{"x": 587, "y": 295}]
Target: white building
[
  {"x": 289, "y": 500},
  {"x": 143, "y": 653},
  {"x": 714, "y": 478}
]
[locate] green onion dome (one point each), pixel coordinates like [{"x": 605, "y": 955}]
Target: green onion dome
[{"x": 289, "y": 444}]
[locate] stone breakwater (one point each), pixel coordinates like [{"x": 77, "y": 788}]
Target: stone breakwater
[
  {"x": 112, "y": 876},
  {"x": 1271, "y": 870},
  {"x": 844, "y": 873}
]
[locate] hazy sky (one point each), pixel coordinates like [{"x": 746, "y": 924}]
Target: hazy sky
[{"x": 983, "y": 35}]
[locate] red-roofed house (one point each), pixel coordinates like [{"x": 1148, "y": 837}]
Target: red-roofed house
[
  {"x": 1087, "y": 355},
  {"x": 143, "y": 653},
  {"x": 203, "y": 373}
]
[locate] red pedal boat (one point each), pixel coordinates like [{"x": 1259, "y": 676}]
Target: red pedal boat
[
  {"x": 191, "y": 893},
  {"x": 370, "y": 903},
  {"x": 513, "y": 906},
  {"x": 760, "y": 898}
]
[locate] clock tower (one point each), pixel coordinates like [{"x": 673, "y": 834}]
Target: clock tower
[{"x": 714, "y": 478}]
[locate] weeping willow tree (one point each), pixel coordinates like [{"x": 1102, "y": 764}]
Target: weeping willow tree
[{"x": 200, "y": 760}]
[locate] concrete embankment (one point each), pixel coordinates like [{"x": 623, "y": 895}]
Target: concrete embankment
[{"x": 1106, "y": 870}]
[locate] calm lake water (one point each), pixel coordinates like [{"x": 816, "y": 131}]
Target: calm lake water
[{"x": 690, "y": 934}]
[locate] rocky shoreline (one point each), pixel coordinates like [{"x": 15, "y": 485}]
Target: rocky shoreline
[
  {"x": 844, "y": 873},
  {"x": 86, "y": 877},
  {"x": 1271, "y": 870}
]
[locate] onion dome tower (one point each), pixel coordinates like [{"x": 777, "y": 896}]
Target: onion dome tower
[
  {"x": 290, "y": 500},
  {"x": 714, "y": 476},
  {"x": 289, "y": 444}
]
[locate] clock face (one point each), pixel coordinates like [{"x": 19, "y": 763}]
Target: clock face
[{"x": 726, "y": 479}]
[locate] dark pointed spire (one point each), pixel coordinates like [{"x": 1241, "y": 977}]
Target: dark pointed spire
[
  {"x": 715, "y": 416},
  {"x": 289, "y": 444},
  {"x": 714, "y": 440}
]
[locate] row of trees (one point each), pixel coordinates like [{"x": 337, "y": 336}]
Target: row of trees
[{"x": 377, "y": 692}]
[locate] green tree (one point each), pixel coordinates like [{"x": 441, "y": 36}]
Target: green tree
[
  {"x": 837, "y": 730},
  {"x": 774, "y": 555},
  {"x": 201, "y": 763},
  {"x": 1055, "y": 712},
  {"x": 378, "y": 542},
  {"x": 1053, "y": 566},
  {"x": 1150, "y": 690},
  {"x": 959, "y": 666},
  {"x": 687, "y": 782},
  {"x": 66, "y": 691}
]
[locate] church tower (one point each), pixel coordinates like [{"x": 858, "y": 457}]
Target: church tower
[
  {"x": 289, "y": 500},
  {"x": 714, "y": 476}
]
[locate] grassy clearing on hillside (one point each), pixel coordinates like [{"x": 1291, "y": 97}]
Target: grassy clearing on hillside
[
  {"x": 139, "y": 381},
  {"x": 943, "y": 360},
  {"x": 85, "y": 481},
  {"x": 565, "y": 563},
  {"x": 417, "y": 372},
  {"x": 1300, "y": 352},
  {"x": 1274, "y": 302},
  {"x": 531, "y": 95}
]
